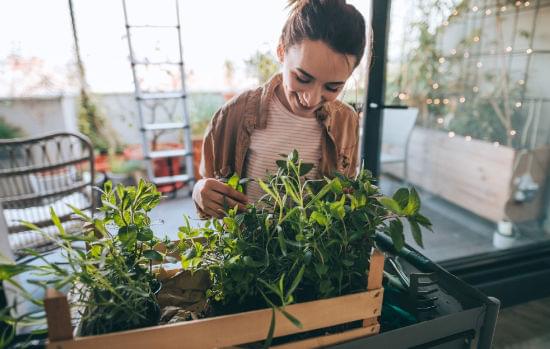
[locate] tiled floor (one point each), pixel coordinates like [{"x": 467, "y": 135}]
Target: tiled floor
[{"x": 524, "y": 326}]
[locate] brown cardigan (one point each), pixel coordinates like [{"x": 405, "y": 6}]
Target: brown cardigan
[{"x": 227, "y": 138}]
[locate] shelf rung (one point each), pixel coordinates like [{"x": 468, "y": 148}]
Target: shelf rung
[
  {"x": 161, "y": 95},
  {"x": 156, "y": 63},
  {"x": 172, "y": 153},
  {"x": 175, "y": 26},
  {"x": 172, "y": 179},
  {"x": 165, "y": 126}
]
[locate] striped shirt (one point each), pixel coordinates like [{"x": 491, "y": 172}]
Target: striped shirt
[{"x": 284, "y": 133}]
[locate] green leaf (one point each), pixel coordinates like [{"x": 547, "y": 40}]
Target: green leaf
[
  {"x": 266, "y": 189},
  {"x": 153, "y": 255},
  {"x": 233, "y": 181},
  {"x": 396, "y": 233},
  {"x": 281, "y": 239},
  {"x": 305, "y": 168},
  {"x": 318, "y": 217},
  {"x": 281, "y": 164},
  {"x": 423, "y": 221},
  {"x": 336, "y": 186},
  {"x": 291, "y": 318},
  {"x": 57, "y": 222},
  {"x": 413, "y": 206},
  {"x": 416, "y": 233},
  {"x": 128, "y": 234},
  {"x": 402, "y": 197},
  {"x": 145, "y": 234},
  {"x": 296, "y": 280},
  {"x": 271, "y": 331},
  {"x": 390, "y": 204}
]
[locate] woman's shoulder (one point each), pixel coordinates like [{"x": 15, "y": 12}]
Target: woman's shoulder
[{"x": 342, "y": 112}]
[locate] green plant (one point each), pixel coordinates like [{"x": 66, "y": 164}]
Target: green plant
[
  {"x": 112, "y": 279},
  {"x": 8, "y": 131},
  {"x": 262, "y": 66},
  {"x": 304, "y": 240}
]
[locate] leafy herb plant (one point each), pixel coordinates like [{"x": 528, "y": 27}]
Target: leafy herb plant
[{"x": 304, "y": 240}]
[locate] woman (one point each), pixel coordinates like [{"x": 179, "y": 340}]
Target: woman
[{"x": 321, "y": 44}]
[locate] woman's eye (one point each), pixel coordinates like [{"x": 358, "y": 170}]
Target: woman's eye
[
  {"x": 303, "y": 81},
  {"x": 331, "y": 89}
]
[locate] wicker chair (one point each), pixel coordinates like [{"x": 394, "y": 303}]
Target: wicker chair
[{"x": 40, "y": 173}]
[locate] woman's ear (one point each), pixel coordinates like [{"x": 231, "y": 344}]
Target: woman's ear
[{"x": 280, "y": 52}]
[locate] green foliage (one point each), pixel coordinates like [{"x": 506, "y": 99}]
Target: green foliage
[
  {"x": 114, "y": 283},
  {"x": 303, "y": 240},
  {"x": 262, "y": 66},
  {"x": 8, "y": 131}
]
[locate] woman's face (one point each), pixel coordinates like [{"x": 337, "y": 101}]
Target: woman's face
[{"x": 313, "y": 74}]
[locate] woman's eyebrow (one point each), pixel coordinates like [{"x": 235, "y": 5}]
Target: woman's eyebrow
[{"x": 313, "y": 78}]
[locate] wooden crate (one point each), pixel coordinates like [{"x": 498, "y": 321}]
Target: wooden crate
[
  {"x": 235, "y": 329},
  {"x": 474, "y": 174}
]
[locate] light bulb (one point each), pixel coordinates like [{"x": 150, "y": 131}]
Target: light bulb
[
  {"x": 429, "y": 101},
  {"x": 445, "y": 101},
  {"x": 509, "y": 49},
  {"x": 476, "y": 38},
  {"x": 521, "y": 82},
  {"x": 462, "y": 99},
  {"x": 513, "y": 132},
  {"x": 488, "y": 12},
  {"x": 475, "y": 89},
  {"x": 452, "y": 134},
  {"x": 453, "y": 51},
  {"x": 529, "y": 51},
  {"x": 441, "y": 60},
  {"x": 475, "y": 8},
  {"x": 440, "y": 120},
  {"x": 436, "y": 101},
  {"x": 435, "y": 86},
  {"x": 503, "y": 9},
  {"x": 518, "y": 104},
  {"x": 479, "y": 64},
  {"x": 496, "y": 144},
  {"x": 468, "y": 138}
]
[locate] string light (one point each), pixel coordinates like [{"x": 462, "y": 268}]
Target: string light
[
  {"x": 453, "y": 51},
  {"x": 429, "y": 101},
  {"x": 475, "y": 89},
  {"x": 529, "y": 51},
  {"x": 403, "y": 96},
  {"x": 476, "y": 38},
  {"x": 445, "y": 101},
  {"x": 468, "y": 138},
  {"x": 521, "y": 82},
  {"x": 518, "y": 104},
  {"x": 479, "y": 64},
  {"x": 445, "y": 23},
  {"x": 503, "y": 9},
  {"x": 496, "y": 144},
  {"x": 455, "y": 13},
  {"x": 475, "y": 8},
  {"x": 509, "y": 49},
  {"x": 527, "y": 3},
  {"x": 518, "y": 3},
  {"x": 440, "y": 121},
  {"x": 513, "y": 132},
  {"x": 441, "y": 60},
  {"x": 435, "y": 86},
  {"x": 466, "y": 54},
  {"x": 488, "y": 12},
  {"x": 452, "y": 134},
  {"x": 436, "y": 101},
  {"x": 462, "y": 99}
]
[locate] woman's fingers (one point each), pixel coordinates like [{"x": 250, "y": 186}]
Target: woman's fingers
[{"x": 225, "y": 201}]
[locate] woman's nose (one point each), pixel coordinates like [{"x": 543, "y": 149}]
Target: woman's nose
[{"x": 312, "y": 97}]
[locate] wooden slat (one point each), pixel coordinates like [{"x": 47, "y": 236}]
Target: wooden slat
[
  {"x": 229, "y": 330},
  {"x": 376, "y": 270},
  {"x": 322, "y": 341},
  {"x": 58, "y": 316}
]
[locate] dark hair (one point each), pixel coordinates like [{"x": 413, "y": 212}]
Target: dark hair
[{"x": 339, "y": 25}]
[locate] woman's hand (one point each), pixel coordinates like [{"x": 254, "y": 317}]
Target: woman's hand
[{"x": 214, "y": 197}]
